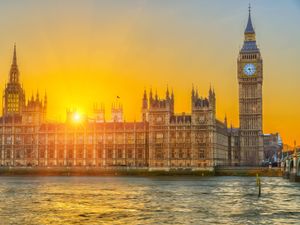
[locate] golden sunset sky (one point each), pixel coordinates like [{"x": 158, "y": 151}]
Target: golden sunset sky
[{"x": 86, "y": 52}]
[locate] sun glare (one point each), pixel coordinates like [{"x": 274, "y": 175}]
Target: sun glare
[{"x": 76, "y": 117}]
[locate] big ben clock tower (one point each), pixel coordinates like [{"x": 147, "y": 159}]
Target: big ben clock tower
[{"x": 250, "y": 77}]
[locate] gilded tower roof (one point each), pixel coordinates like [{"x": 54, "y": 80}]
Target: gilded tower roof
[{"x": 249, "y": 45}]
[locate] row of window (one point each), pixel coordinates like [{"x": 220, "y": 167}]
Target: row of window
[
  {"x": 181, "y": 154},
  {"x": 249, "y": 56},
  {"x": 78, "y": 154}
]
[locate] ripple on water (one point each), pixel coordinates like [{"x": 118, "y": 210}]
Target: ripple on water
[{"x": 161, "y": 200}]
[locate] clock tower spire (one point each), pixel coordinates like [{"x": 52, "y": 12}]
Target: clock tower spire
[
  {"x": 249, "y": 31},
  {"x": 250, "y": 78}
]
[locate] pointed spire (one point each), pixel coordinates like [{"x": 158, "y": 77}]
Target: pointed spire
[
  {"x": 145, "y": 94},
  {"x": 37, "y": 96},
  {"x": 210, "y": 90},
  {"x": 45, "y": 97},
  {"x": 167, "y": 93},
  {"x": 150, "y": 95},
  {"x": 14, "y": 71},
  {"x": 249, "y": 28},
  {"x": 145, "y": 100},
  {"x": 193, "y": 91},
  {"x": 14, "y": 62},
  {"x": 156, "y": 96},
  {"x": 45, "y": 102},
  {"x": 249, "y": 37}
]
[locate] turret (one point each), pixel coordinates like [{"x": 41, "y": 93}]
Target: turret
[
  {"x": 200, "y": 103},
  {"x": 37, "y": 96},
  {"x": 150, "y": 96},
  {"x": 172, "y": 100},
  {"x": 161, "y": 109},
  {"x": 193, "y": 94},
  {"x": 167, "y": 94},
  {"x": 166, "y": 104},
  {"x": 45, "y": 101},
  {"x": 99, "y": 113},
  {"x": 145, "y": 101},
  {"x": 212, "y": 98},
  {"x": 203, "y": 108},
  {"x": 225, "y": 120},
  {"x": 117, "y": 112},
  {"x": 145, "y": 107}
]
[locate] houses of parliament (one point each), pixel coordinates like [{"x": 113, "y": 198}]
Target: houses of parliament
[{"x": 161, "y": 140}]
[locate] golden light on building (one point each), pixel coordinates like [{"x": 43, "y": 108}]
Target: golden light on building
[
  {"x": 163, "y": 139},
  {"x": 77, "y": 117}
]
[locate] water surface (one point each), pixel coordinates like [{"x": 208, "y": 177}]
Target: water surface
[{"x": 155, "y": 200}]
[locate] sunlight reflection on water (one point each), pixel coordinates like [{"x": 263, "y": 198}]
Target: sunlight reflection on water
[{"x": 155, "y": 200}]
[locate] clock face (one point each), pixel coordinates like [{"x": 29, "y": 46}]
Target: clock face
[{"x": 249, "y": 69}]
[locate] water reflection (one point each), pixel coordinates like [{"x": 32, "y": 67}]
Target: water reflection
[{"x": 158, "y": 200}]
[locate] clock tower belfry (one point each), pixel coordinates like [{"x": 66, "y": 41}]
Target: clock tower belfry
[{"x": 250, "y": 78}]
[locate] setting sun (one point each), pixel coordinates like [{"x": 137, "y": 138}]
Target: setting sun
[{"x": 76, "y": 117}]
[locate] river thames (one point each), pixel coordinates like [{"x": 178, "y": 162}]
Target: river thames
[{"x": 154, "y": 200}]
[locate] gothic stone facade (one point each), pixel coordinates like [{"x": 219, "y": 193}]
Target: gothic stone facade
[
  {"x": 197, "y": 140},
  {"x": 161, "y": 140}
]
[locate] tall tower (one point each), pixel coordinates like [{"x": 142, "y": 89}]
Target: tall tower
[
  {"x": 117, "y": 112},
  {"x": 99, "y": 113},
  {"x": 14, "y": 96},
  {"x": 204, "y": 128},
  {"x": 159, "y": 114},
  {"x": 250, "y": 78}
]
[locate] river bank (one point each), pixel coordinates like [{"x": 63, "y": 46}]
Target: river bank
[{"x": 92, "y": 171}]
